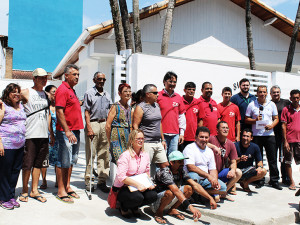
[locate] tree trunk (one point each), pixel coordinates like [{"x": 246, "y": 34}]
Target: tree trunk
[
  {"x": 289, "y": 60},
  {"x": 249, "y": 35},
  {"x": 167, "y": 28},
  {"x": 136, "y": 26},
  {"x": 119, "y": 32},
  {"x": 126, "y": 24}
]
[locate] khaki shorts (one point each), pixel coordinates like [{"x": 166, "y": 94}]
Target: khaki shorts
[
  {"x": 293, "y": 153},
  {"x": 156, "y": 152}
]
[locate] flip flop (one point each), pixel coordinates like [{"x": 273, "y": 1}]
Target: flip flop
[
  {"x": 177, "y": 216},
  {"x": 73, "y": 195},
  {"x": 292, "y": 188},
  {"x": 23, "y": 196},
  {"x": 39, "y": 198},
  {"x": 160, "y": 220},
  {"x": 64, "y": 197},
  {"x": 245, "y": 189},
  {"x": 43, "y": 186}
]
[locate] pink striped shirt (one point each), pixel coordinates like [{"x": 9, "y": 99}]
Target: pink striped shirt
[{"x": 129, "y": 166}]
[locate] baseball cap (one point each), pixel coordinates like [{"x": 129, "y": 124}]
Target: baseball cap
[
  {"x": 39, "y": 72},
  {"x": 176, "y": 155}
]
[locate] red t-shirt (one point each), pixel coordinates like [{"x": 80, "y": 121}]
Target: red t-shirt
[
  {"x": 170, "y": 108},
  {"x": 230, "y": 114},
  {"x": 66, "y": 97},
  {"x": 230, "y": 154},
  {"x": 191, "y": 115},
  {"x": 292, "y": 119},
  {"x": 209, "y": 114}
]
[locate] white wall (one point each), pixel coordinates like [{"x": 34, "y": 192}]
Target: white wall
[{"x": 286, "y": 82}]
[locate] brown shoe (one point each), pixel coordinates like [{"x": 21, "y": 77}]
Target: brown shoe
[{"x": 103, "y": 187}]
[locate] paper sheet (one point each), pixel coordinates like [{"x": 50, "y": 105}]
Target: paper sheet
[{"x": 142, "y": 179}]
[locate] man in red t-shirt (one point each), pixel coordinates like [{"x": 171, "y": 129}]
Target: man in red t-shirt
[
  {"x": 172, "y": 112},
  {"x": 191, "y": 114},
  {"x": 290, "y": 118},
  {"x": 209, "y": 114},
  {"x": 69, "y": 124},
  {"x": 226, "y": 162},
  {"x": 230, "y": 113}
]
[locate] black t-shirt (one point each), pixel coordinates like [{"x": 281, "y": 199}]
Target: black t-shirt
[
  {"x": 253, "y": 153},
  {"x": 280, "y": 105}
]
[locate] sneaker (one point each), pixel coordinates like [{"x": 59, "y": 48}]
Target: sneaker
[
  {"x": 14, "y": 203},
  {"x": 103, "y": 187},
  {"x": 6, "y": 205},
  {"x": 87, "y": 187}
]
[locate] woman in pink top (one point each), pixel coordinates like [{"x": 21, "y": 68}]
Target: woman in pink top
[{"x": 133, "y": 161}]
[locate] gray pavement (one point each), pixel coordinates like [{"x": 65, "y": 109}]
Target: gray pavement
[{"x": 264, "y": 206}]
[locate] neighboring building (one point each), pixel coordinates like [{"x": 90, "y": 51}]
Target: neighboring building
[
  {"x": 6, "y": 58},
  {"x": 211, "y": 31},
  {"x": 42, "y": 31}
]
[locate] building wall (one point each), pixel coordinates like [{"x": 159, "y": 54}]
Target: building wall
[
  {"x": 2, "y": 62},
  {"x": 42, "y": 31}
]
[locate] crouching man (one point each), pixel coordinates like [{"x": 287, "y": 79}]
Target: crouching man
[
  {"x": 247, "y": 153},
  {"x": 174, "y": 187}
]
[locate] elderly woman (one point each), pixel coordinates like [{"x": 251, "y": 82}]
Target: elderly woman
[
  {"x": 12, "y": 141},
  {"x": 118, "y": 123},
  {"x": 133, "y": 161}
]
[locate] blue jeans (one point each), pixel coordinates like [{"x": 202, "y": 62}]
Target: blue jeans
[
  {"x": 223, "y": 175},
  {"x": 205, "y": 183},
  {"x": 172, "y": 143},
  {"x": 67, "y": 152}
]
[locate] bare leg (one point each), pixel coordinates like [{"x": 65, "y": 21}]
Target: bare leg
[
  {"x": 44, "y": 184},
  {"x": 25, "y": 178},
  {"x": 289, "y": 172},
  {"x": 166, "y": 199},
  {"x": 62, "y": 177},
  {"x": 245, "y": 184},
  {"x": 232, "y": 181},
  {"x": 35, "y": 182}
]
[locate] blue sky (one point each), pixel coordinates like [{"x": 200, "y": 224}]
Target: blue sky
[{"x": 97, "y": 11}]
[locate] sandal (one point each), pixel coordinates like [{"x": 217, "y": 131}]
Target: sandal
[
  {"x": 43, "y": 186},
  {"x": 160, "y": 220},
  {"x": 64, "y": 197},
  {"x": 39, "y": 198},
  {"x": 73, "y": 194},
  {"x": 25, "y": 197},
  {"x": 292, "y": 187}
]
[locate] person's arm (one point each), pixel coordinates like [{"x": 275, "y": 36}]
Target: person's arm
[
  {"x": 215, "y": 148},
  {"x": 182, "y": 127},
  {"x": 24, "y": 95},
  {"x": 260, "y": 167},
  {"x": 285, "y": 143},
  {"x": 137, "y": 117},
  {"x": 2, "y": 111},
  {"x": 232, "y": 170},
  {"x": 238, "y": 131},
  {"x": 110, "y": 118},
  {"x": 163, "y": 140},
  {"x": 249, "y": 120},
  {"x": 212, "y": 176},
  {"x": 50, "y": 128},
  {"x": 90, "y": 132},
  {"x": 62, "y": 120},
  {"x": 273, "y": 124},
  {"x": 201, "y": 191}
]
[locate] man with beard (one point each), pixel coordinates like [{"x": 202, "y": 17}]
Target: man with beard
[
  {"x": 243, "y": 99},
  {"x": 174, "y": 187},
  {"x": 97, "y": 103},
  {"x": 280, "y": 104},
  {"x": 209, "y": 115}
]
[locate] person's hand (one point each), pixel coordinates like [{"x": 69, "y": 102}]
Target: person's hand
[
  {"x": 52, "y": 139},
  {"x": 214, "y": 183},
  {"x": 259, "y": 170},
  {"x": 244, "y": 158},
  {"x": 164, "y": 144},
  {"x": 237, "y": 139},
  {"x": 181, "y": 139},
  {"x": 1, "y": 149},
  {"x": 151, "y": 187},
  {"x": 141, "y": 188},
  {"x": 196, "y": 213},
  {"x": 217, "y": 150},
  {"x": 90, "y": 134},
  {"x": 286, "y": 146},
  {"x": 71, "y": 137},
  {"x": 213, "y": 204},
  {"x": 259, "y": 117},
  {"x": 231, "y": 174},
  {"x": 268, "y": 127}
]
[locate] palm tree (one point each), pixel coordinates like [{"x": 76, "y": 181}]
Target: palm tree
[
  {"x": 167, "y": 28},
  {"x": 119, "y": 32},
  {"x": 136, "y": 26},
  {"x": 289, "y": 60},
  {"x": 249, "y": 35},
  {"x": 126, "y": 24}
]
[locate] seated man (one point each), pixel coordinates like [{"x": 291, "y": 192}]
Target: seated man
[
  {"x": 174, "y": 187},
  {"x": 248, "y": 152},
  {"x": 200, "y": 163},
  {"x": 226, "y": 161}
]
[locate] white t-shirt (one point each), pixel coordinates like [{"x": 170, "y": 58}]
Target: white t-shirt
[
  {"x": 269, "y": 110},
  {"x": 203, "y": 159}
]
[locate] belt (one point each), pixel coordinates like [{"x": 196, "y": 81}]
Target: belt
[{"x": 98, "y": 120}]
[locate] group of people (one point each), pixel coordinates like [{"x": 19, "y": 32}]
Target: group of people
[{"x": 191, "y": 148}]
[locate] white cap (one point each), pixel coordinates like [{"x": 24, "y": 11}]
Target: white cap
[{"x": 39, "y": 72}]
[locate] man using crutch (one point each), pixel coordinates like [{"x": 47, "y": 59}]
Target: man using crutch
[{"x": 96, "y": 105}]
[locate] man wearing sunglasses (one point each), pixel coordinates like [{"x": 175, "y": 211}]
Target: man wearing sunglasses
[
  {"x": 96, "y": 104},
  {"x": 209, "y": 114}
]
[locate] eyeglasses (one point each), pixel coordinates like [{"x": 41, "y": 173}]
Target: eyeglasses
[
  {"x": 100, "y": 79},
  {"x": 139, "y": 139},
  {"x": 211, "y": 107},
  {"x": 153, "y": 92}
]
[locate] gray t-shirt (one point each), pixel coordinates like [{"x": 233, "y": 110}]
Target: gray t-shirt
[
  {"x": 150, "y": 123},
  {"x": 97, "y": 104}
]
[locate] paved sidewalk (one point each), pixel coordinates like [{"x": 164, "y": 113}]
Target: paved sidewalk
[{"x": 267, "y": 206}]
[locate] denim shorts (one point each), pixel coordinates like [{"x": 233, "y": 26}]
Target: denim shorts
[{"x": 67, "y": 152}]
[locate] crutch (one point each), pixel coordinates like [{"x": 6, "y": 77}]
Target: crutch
[{"x": 91, "y": 171}]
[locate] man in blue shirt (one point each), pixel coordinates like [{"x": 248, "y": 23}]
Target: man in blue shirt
[
  {"x": 243, "y": 99},
  {"x": 247, "y": 153}
]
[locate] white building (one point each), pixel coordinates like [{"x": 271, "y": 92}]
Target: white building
[{"x": 206, "y": 30}]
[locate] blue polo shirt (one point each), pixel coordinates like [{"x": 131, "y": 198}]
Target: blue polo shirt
[
  {"x": 242, "y": 103},
  {"x": 253, "y": 153}
]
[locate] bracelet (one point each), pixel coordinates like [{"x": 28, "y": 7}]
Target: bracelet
[
  {"x": 163, "y": 140},
  {"x": 186, "y": 204}
]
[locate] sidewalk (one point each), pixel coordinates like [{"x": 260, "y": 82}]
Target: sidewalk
[{"x": 266, "y": 206}]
